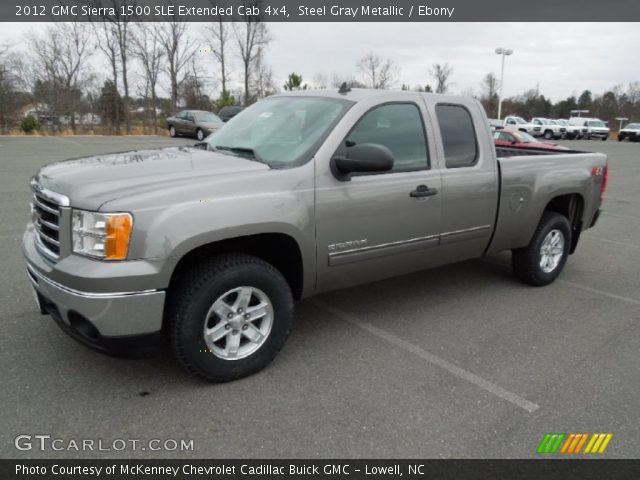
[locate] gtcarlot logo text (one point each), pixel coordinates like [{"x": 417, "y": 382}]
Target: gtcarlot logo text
[{"x": 44, "y": 443}]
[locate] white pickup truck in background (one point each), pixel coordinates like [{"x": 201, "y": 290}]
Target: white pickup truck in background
[
  {"x": 521, "y": 124},
  {"x": 548, "y": 128}
]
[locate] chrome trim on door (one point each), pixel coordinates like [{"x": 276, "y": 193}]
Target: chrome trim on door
[
  {"x": 374, "y": 251},
  {"x": 404, "y": 246},
  {"x": 464, "y": 234}
]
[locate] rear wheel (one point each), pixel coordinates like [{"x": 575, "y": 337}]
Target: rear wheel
[
  {"x": 542, "y": 260},
  {"x": 200, "y": 134},
  {"x": 229, "y": 317}
]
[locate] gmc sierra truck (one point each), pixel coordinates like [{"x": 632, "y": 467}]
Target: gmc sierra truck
[{"x": 206, "y": 248}]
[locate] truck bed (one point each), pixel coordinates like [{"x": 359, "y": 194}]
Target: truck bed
[{"x": 528, "y": 185}]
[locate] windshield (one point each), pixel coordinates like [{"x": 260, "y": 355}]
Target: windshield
[
  {"x": 562, "y": 122},
  {"x": 596, "y": 123},
  {"x": 523, "y": 137},
  {"x": 519, "y": 120},
  {"x": 279, "y": 131},
  {"x": 633, "y": 126},
  {"x": 207, "y": 117}
]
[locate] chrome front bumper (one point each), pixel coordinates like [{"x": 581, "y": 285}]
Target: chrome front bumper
[{"x": 103, "y": 314}]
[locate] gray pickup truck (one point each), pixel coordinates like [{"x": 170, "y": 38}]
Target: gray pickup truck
[{"x": 206, "y": 248}]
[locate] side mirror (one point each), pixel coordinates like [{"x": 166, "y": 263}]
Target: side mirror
[{"x": 362, "y": 158}]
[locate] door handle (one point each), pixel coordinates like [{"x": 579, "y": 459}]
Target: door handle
[{"x": 423, "y": 191}]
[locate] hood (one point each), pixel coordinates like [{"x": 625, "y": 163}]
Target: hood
[{"x": 92, "y": 181}]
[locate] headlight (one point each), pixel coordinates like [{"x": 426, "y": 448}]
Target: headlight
[{"x": 101, "y": 235}]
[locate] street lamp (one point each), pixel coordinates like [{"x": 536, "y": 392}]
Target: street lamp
[
  {"x": 504, "y": 52},
  {"x": 579, "y": 112},
  {"x": 621, "y": 119}
]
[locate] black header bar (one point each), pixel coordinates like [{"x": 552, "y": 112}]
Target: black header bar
[{"x": 323, "y": 10}]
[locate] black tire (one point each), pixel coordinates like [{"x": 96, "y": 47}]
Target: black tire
[
  {"x": 199, "y": 135},
  {"x": 619, "y": 138},
  {"x": 194, "y": 295},
  {"x": 587, "y": 136},
  {"x": 172, "y": 131},
  {"x": 604, "y": 139},
  {"x": 548, "y": 135},
  {"x": 526, "y": 261}
]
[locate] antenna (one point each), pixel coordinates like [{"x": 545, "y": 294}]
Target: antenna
[{"x": 344, "y": 88}]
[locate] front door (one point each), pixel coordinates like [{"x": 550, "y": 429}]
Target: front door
[{"x": 380, "y": 225}]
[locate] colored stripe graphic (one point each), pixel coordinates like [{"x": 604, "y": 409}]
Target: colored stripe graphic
[
  {"x": 572, "y": 443},
  {"x": 551, "y": 442},
  {"x": 598, "y": 443}
]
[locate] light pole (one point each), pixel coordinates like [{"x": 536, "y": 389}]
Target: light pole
[
  {"x": 504, "y": 52},
  {"x": 621, "y": 119},
  {"x": 579, "y": 112}
]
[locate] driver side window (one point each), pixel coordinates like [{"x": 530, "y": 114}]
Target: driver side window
[{"x": 398, "y": 127}]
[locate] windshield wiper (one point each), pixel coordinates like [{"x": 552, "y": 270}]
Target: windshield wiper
[{"x": 241, "y": 150}]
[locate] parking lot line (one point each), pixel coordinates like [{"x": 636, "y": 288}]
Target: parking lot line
[
  {"x": 615, "y": 242},
  {"x": 429, "y": 357},
  {"x": 600, "y": 292}
]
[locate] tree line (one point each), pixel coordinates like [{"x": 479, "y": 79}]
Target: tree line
[{"x": 54, "y": 72}]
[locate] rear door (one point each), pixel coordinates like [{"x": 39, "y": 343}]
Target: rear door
[
  {"x": 371, "y": 227},
  {"x": 469, "y": 177},
  {"x": 189, "y": 123}
]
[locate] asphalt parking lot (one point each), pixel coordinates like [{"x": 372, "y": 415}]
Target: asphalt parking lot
[{"x": 458, "y": 362}]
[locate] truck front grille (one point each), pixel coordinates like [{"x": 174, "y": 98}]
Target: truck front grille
[{"x": 45, "y": 211}]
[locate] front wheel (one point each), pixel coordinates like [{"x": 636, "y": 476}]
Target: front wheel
[
  {"x": 604, "y": 139},
  {"x": 172, "y": 131},
  {"x": 548, "y": 135},
  {"x": 542, "y": 260},
  {"x": 229, "y": 317}
]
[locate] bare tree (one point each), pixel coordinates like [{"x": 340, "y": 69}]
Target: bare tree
[
  {"x": 149, "y": 52},
  {"x": 218, "y": 34},
  {"x": 252, "y": 36},
  {"x": 489, "y": 85},
  {"x": 378, "y": 73},
  {"x": 8, "y": 90},
  {"x": 117, "y": 41},
  {"x": 262, "y": 84},
  {"x": 108, "y": 44},
  {"x": 61, "y": 66},
  {"x": 320, "y": 81},
  {"x": 441, "y": 74},
  {"x": 179, "y": 52}
]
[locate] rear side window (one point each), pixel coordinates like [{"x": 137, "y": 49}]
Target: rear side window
[
  {"x": 458, "y": 136},
  {"x": 399, "y": 127}
]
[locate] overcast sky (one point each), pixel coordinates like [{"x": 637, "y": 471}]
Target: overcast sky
[{"x": 562, "y": 58}]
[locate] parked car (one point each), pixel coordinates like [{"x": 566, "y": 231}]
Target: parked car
[
  {"x": 312, "y": 191},
  {"x": 509, "y": 137},
  {"x": 572, "y": 131},
  {"x": 579, "y": 122},
  {"x": 193, "y": 123},
  {"x": 592, "y": 127},
  {"x": 522, "y": 125},
  {"x": 548, "y": 128},
  {"x": 227, "y": 113},
  {"x": 631, "y": 132}
]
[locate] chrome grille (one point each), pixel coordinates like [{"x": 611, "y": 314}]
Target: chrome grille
[{"x": 45, "y": 211}]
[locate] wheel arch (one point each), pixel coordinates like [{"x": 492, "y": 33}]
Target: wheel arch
[
  {"x": 571, "y": 205},
  {"x": 279, "y": 249}
]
